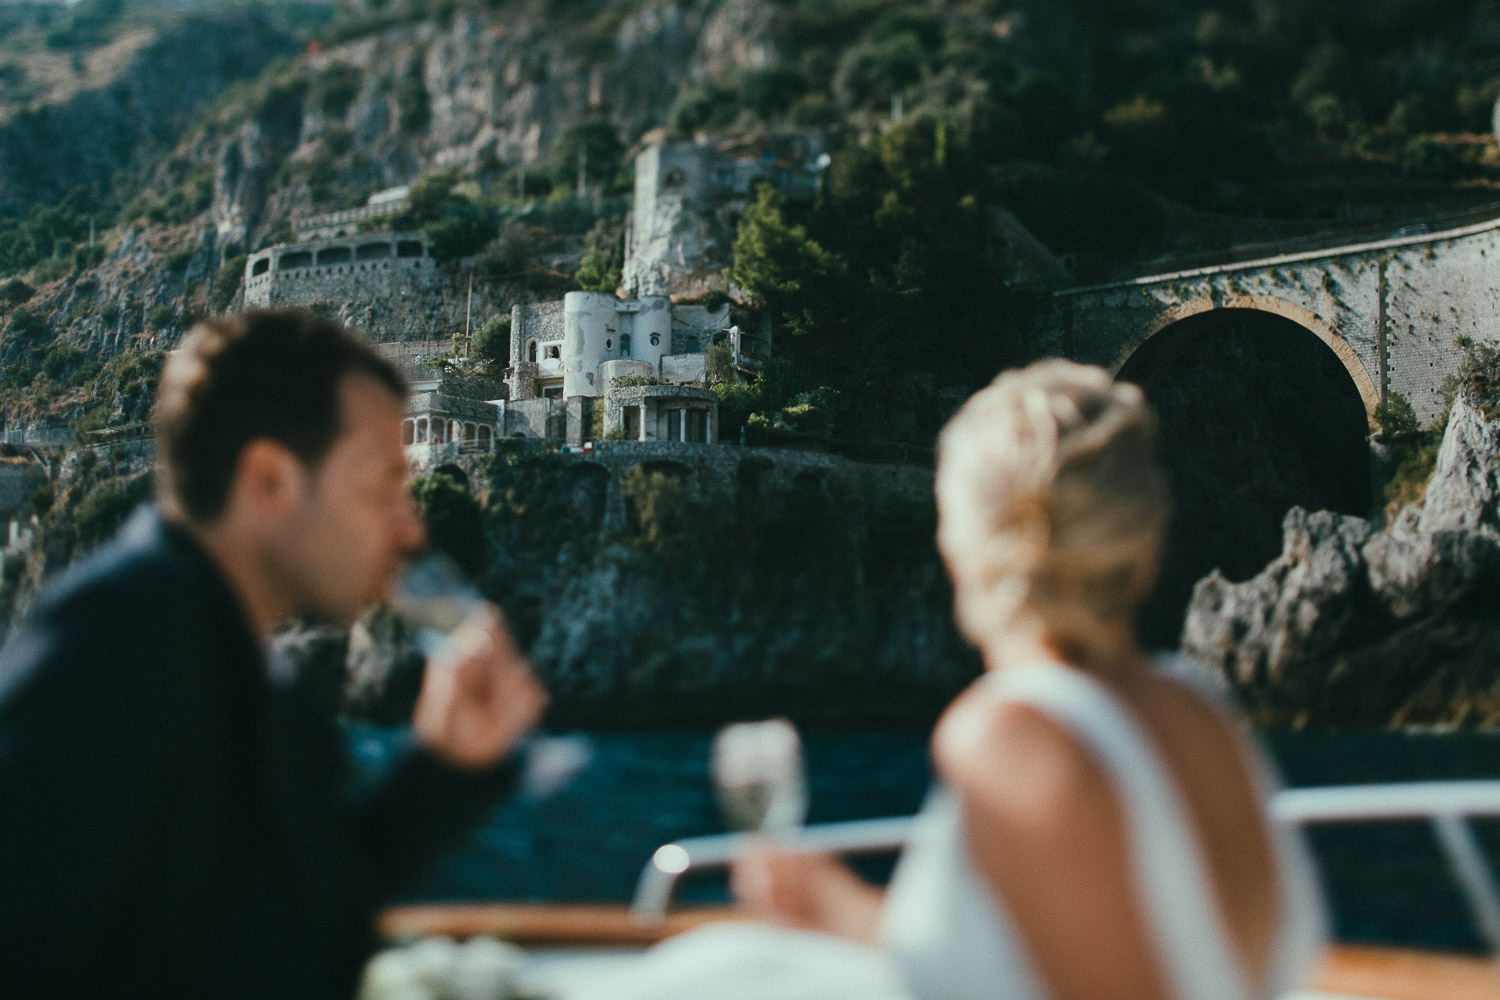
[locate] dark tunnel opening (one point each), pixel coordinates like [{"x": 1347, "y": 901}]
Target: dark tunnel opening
[{"x": 1257, "y": 416}]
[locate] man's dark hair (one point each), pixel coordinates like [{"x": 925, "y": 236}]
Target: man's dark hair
[{"x": 263, "y": 373}]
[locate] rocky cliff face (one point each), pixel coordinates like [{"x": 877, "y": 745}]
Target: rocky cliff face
[
  {"x": 736, "y": 586},
  {"x": 498, "y": 90},
  {"x": 485, "y": 96},
  {"x": 1351, "y": 626},
  {"x": 46, "y": 152}
]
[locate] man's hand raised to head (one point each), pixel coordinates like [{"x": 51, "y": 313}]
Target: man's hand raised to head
[{"x": 478, "y": 696}]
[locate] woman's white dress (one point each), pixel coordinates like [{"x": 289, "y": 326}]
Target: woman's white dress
[{"x": 945, "y": 936}]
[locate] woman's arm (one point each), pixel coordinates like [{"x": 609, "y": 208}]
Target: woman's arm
[{"x": 810, "y": 891}]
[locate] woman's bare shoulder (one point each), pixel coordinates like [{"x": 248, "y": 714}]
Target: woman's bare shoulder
[{"x": 1016, "y": 763}]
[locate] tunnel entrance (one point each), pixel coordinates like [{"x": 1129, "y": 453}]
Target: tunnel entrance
[{"x": 1257, "y": 415}]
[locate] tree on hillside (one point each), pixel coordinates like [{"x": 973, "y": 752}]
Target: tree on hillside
[
  {"x": 604, "y": 251},
  {"x": 492, "y": 342},
  {"x": 427, "y": 198},
  {"x": 508, "y": 255},
  {"x": 595, "y": 146},
  {"x": 777, "y": 264},
  {"x": 454, "y": 520}
]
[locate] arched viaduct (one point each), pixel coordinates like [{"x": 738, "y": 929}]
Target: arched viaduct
[{"x": 1392, "y": 310}]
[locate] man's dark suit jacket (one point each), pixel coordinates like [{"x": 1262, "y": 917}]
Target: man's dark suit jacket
[{"x": 172, "y": 822}]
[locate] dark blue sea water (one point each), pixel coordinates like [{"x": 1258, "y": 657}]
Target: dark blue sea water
[{"x": 589, "y": 840}]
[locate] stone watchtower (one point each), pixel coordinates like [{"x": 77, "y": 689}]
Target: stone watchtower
[
  {"x": 675, "y": 234},
  {"x": 688, "y": 200}
]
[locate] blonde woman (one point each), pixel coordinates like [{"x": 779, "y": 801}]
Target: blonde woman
[{"x": 1099, "y": 830}]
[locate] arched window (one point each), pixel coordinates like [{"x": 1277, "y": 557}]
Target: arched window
[
  {"x": 484, "y": 438},
  {"x": 408, "y": 430},
  {"x": 469, "y": 433},
  {"x": 531, "y": 350},
  {"x": 454, "y": 430},
  {"x": 437, "y": 432},
  {"x": 422, "y": 431},
  {"x": 624, "y": 345}
]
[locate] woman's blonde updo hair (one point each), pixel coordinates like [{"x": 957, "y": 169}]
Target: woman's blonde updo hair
[{"x": 1051, "y": 506}]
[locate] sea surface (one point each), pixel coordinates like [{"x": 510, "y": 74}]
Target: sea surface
[{"x": 587, "y": 839}]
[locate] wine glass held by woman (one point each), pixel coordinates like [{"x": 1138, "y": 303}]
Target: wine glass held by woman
[{"x": 1101, "y": 827}]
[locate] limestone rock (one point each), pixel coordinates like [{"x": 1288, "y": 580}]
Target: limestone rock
[
  {"x": 1464, "y": 492},
  {"x": 1299, "y": 608},
  {"x": 1350, "y": 626}
]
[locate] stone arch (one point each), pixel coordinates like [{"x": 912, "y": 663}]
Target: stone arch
[
  {"x": 1257, "y": 412},
  {"x": 1122, "y": 366},
  {"x": 454, "y": 472},
  {"x": 672, "y": 468},
  {"x": 586, "y": 488}
]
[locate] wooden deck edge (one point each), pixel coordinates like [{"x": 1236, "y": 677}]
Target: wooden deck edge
[
  {"x": 542, "y": 924},
  {"x": 1347, "y": 970},
  {"x": 1406, "y": 974}
]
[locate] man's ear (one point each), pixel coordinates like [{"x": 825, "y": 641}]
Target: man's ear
[{"x": 268, "y": 479}]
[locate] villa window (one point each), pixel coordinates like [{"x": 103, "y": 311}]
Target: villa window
[
  {"x": 531, "y": 350},
  {"x": 422, "y": 431},
  {"x": 674, "y": 425},
  {"x": 632, "y": 422},
  {"x": 656, "y": 340},
  {"x": 484, "y": 438},
  {"x": 470, "y": 433},
  {"x": 624, "y": 345},
  {"x": 437, "y": 431},
  {"x": 408, "y": 432},
  {"x": 552, "y": 392},
  {"x": 554, "y": 351},
  {"x": 697, "y": 426}
]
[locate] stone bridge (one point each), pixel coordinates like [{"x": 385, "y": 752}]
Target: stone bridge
[{"x": 1393, "y": 310}]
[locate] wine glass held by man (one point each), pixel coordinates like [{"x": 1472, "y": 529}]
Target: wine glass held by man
[
  {"x": 1100, "y": 827},
  {"x": 176, "y": 822}
]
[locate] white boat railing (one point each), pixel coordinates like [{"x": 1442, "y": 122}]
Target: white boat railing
[{"x": 1446, "y": 805}]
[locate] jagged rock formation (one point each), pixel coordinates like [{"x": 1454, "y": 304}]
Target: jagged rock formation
[{"x": 1351, "y": 626}]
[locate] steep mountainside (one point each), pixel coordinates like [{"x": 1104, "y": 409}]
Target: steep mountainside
[{"x": 154, "y": 150}]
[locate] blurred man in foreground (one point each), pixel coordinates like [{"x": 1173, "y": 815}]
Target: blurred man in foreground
[{"x": 173, "y": 821}]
